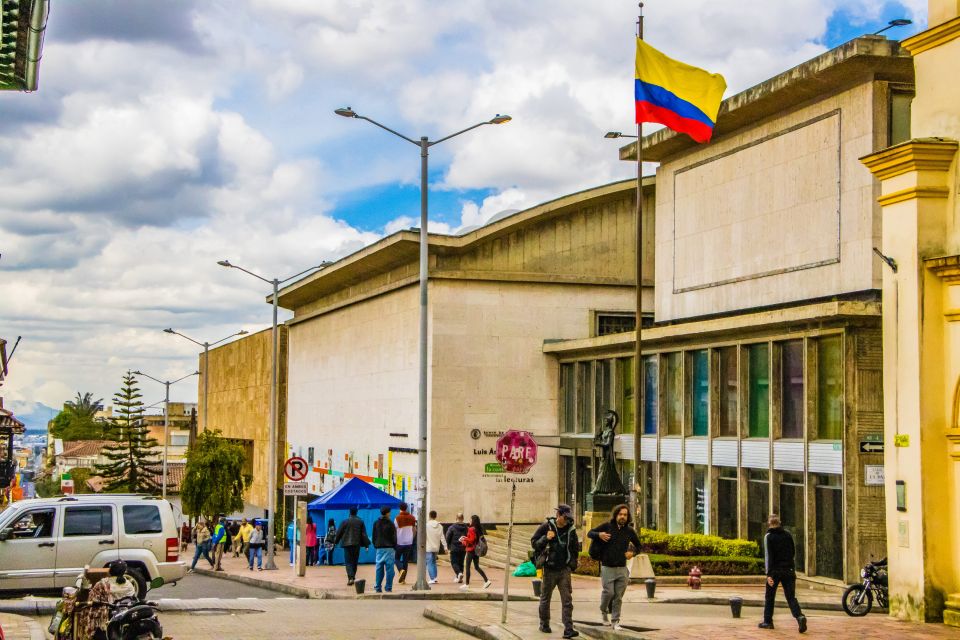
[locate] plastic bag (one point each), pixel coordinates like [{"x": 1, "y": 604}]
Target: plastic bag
[{"x": 525, "y": 570}]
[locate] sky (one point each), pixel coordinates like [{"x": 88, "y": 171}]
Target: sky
[{"x": 166, "y": 136}]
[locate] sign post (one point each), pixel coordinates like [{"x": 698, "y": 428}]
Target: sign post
[
  {"x": 516, "y": 453},
  {"x": 295, "y": 468}
]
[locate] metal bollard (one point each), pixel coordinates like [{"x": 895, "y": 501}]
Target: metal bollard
[
  {"x": 736, "y": 603},
  {"x": 360, "y": 585},
  {"x": 651, "y": 585},
  {"x": 536, "y": 587}
]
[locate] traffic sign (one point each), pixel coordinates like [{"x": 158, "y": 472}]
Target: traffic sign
[
  {"x": 294, "y": 488},
  {"x": 295, "y": 468},
  {"x": 867, "y": 446},
  {"x": 516, "y": 451}
]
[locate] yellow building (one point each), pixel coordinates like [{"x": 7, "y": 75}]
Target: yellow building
[
  {"x": 180, "y": 426},
  {"x": 921, "y": 332}
]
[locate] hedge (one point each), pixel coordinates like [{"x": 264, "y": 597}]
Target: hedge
[
  {"x": 694, "y": 544},
  {"x": 665, "y": 565}
]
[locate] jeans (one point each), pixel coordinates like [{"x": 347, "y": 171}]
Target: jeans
[
  {"x": 456, "y": 560},
  {"x": 351, "y": 556},
  {"x": 404, "y": 551},
  {"x": 432, "y": 564},
  {"x": 202, "y": 549},
  {"x": 385, "y": 559},
  {"x": 788, "y": 579},
  {"x": 559, "y": 578},
  {"x": 256, "y": 552},
  {"x": 473, "y": 558},
  {"x": 614, "y": 581}
]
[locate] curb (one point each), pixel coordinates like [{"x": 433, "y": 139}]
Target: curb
[
  {"x": 469, "y": 626},
  {"x": 754, "y": 602},
  {"x": 29, "y": 607},
  {"x": 443, "y": 596},
  {"x": 289, "y": 589},
  {"x": 35, "y": 629}
]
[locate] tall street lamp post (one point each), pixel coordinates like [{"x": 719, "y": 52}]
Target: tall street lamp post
[
  {"x": 166, "y": 417},
  {"x": 206, "y": 364},
  {"x": 272, "y": 426},
  {"x": 424, "y": 143}
]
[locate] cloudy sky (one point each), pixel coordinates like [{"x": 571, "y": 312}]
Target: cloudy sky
[{"x": 168, "y": 135}]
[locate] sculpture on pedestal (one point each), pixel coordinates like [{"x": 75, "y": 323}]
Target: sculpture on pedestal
[{"x": 608, "y": 490}]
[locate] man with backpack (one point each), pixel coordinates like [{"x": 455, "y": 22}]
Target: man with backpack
[
  {"x": 556, "y": 548},
  {"x": 612, "y": 544}
]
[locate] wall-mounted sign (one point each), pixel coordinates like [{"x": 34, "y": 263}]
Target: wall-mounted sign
[
  {"x": 493, "y": 467},
  {"x": 868, "y": 446},
  {"x": 873, "y": 474},
  {"x": 901, "y": 440}
]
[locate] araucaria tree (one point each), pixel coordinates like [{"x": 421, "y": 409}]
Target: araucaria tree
[
  {"x": 214, "y": 478},
  {"x": 131, "y": 455}
]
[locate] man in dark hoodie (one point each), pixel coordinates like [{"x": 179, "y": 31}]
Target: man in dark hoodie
[
  {"x": 618, "y": 542},
  {"x": 458, "y": 552},
  {"x": 778, "y": 552},
  {"x": 385, "y": 543},
  {"x": 351, "y": 535},
  {"x": 556, "y": 543}
]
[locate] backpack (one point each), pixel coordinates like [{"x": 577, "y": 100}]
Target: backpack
[
  {"x": 482, "y": 547},
  {"x": 597, "y": 547}
]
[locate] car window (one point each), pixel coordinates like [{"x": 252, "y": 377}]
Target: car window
[
  {"x": 88, "y": 521},
  {"x": 141, "y": 518},
  {"x": 34, "y": 524}
]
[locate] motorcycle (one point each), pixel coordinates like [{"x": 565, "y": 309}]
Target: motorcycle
[{"x": 858, "y": 598}]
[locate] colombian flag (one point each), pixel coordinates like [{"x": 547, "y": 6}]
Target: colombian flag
[{"x": 684, "y": 98}]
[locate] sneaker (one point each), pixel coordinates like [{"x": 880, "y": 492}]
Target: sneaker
[
  {"x": 403, "y": 576},
  {"x": 259, "y": 568},
  {"x": 250, "y": 567},
  {"x": 571, "y": 633},
  {"x": 464, "y": 587},
  {"x": 432, "y": 581},
  {"x": 349, "y": 582},
  {"x": 459, "y": 578},
  {"x": 617, "y": 627},
  {"x": 545, "y": 628},
  {"x": 189, "y": 570},
  {"x": 378, "y": 591},
  {"x": 219, "y": 569},
  {"x": 486, "y": 585},
  {"x": 765, "y": 625},
  {"x": 802, "y": 621}
]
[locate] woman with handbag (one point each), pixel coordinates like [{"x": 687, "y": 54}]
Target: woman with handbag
[{"x": 476, "y": 546}]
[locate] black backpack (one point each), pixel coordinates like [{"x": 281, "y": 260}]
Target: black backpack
[{"x": 597, "y": 547}]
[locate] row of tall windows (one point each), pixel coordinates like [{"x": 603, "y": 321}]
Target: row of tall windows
[
  {"x": 810, "y": 375},
  {"x": 588, "y": 389}
]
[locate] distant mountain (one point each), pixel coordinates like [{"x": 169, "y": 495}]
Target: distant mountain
[{"x": 34, "y": 415}]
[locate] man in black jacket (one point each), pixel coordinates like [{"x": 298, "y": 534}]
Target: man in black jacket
[
  {"x": 352, "y": 535},
  {"x": 556, "y": 543},
  {"x": 385, "y": 543},
  {"x": 458, "y": 552},
  {"x": 778, "y": 551},
  {"x": 618, "y": 542}
]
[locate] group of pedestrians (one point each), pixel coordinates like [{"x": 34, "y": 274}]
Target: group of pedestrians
[{"x": 242, "y": 537}]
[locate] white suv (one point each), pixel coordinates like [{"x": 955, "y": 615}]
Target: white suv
[{"x": 45, "y": 543}]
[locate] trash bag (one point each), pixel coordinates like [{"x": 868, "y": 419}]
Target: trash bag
[{"x": 525, "y": 570}]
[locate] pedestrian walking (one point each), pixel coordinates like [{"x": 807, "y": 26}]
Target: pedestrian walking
[
  {"x": 311, "y": 542},
  {"x": 236, "y": 542},
  {"x": 406, "y": 526},
  {"x": 328, "y": 541},
  {"x": 385, "y": 543},
  {"x": 246, "y": 529},
  {"x": 293, "y": 538},
  {"x": 435, "y": 544},
  {"x": 455, "y": 533},
  {"x": 470, "y": 542},
  {"x": 778, "y": 554},
  {"x": 616, "y": 543},
  {"x": 186, "y": 536},
  {"x": 255, "y": 547},
  {"x": 203, "y": 536},
  {"x": 352, "y": 535},
  {"x": 219, "y": 541},
  {"x": 557, "y": 547}
]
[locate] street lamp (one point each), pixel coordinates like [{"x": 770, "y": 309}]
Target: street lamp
[
  {"x": 206, "y": 364},
  {"x": 166, "y": 417},
  {"x": 424, "y": 144},
  {"x": 617, "y": 134},
  {"x": 272, "y": 426},
  {"x": 898, "y": 22}
]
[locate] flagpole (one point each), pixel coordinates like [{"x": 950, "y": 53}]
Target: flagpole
[{"x": 637, "y": 363}]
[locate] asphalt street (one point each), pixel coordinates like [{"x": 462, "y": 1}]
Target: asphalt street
[{"x": 195, "y": 586}]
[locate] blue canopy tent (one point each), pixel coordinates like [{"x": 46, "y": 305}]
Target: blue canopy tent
[{"x": 336, "y": 504}]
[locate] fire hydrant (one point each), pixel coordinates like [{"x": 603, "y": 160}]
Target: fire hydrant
[{"x": 693, "y": 580}]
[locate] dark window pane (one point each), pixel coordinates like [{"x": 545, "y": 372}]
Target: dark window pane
[
  {"x": 759, "y": 373},
  {"x": 791, "y": 515},
  {"x": 727, "y": 503},
  {"x": 87, "y": 521},
  {"x": 35, "y": 524},
  {"x": 627, "y": 389},
  {"x": 648, "y": 489},
  {"x": 829, "y": 508},
  {"x": 141, "y": 519},
  {"x": 568, "y": 395},
  {"x": 674, "y": 393},
  {"x": 674, "y": 477},
  {"x": 585, "y": 397},
  {"x": 729, "y": 388},
  {"x": 758, "y": 504},
  {"x": 791, "y": 369},
  {"x": 615, "y": 323},
  {"x": 830, "y": 388},
  {"x": 698, "y": 496},
  {"x": 651, "y": 389},
  {"x": 603, "y": 388},
  {"x": 700, "y": 392}
]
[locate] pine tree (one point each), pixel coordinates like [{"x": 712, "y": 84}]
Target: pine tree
[{"x": 132, "y": 465}]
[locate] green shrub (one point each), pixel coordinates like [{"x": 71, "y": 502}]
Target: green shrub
[
  {"x": 667, "y": 565},
  {"x": 694, "y": 544},
  {"x": 587, "y": 566}
]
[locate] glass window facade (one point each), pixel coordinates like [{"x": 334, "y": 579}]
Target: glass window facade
[
  {"x": 758, "y": 504},
  {"x": 674, "y": 479},
  {"x": 651, "y": 395},
  {"x": 700, "y": 392},
  {"x": 568, "y": 398},
  {"x": 727, "y": 501},
  {"x": 648, "y": 494},
  {"x": 699, "y": 499},
  {"x": 729, "y": 392},
  {"x": 604, "y": 387},
  {"x": 830, "y": 388},
  {"x": 791, "y": 388},
  {"x": 585, "y": 397},
  {"x": 828, "y": 498},
  {"x": 628, "y": 422},
  {"x": 759, "y": 380},
  {"x": 792, "y": 514},
  {"x": 673, "y": 394}
]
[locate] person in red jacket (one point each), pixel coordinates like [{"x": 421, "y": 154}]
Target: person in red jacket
[{"x": 474, "y": 533}]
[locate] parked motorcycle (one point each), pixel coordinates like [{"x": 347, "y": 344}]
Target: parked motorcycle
[{"x": 858, "y": 598}]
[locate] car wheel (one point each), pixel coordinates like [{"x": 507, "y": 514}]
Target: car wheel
[{"x": 136, "y": 574}]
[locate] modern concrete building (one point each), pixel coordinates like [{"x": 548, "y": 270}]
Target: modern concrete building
[
  {"x": 22, "y": 26},
  {"x": 921, "y": 333},
  {"x": 760, "y": 386}
]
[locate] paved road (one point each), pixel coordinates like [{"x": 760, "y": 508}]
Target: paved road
[{"x": 195, "y": 586}]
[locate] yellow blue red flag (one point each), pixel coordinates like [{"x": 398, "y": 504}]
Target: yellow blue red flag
[{"x": 684, "y": 98}]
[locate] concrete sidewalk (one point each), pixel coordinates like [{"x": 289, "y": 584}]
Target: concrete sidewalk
[{"x": 16, "y": 627}]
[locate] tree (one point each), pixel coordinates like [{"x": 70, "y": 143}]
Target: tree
[
  {"x": 131, "y": 463},
  {"x": 76, "y": 421},
  {"x": 83, "y": 406},
  {"x": 213, "y": 480}
]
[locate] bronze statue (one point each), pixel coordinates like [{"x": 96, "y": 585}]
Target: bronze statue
[{"x": 608, "y": 479}]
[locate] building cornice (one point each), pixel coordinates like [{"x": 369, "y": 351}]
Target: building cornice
[
  {"x": 933, "y": 37},
  {"x": 923, "y": 154},
  {"x": 946, "y": 267},
  {"x": 913, "y": 193}
]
